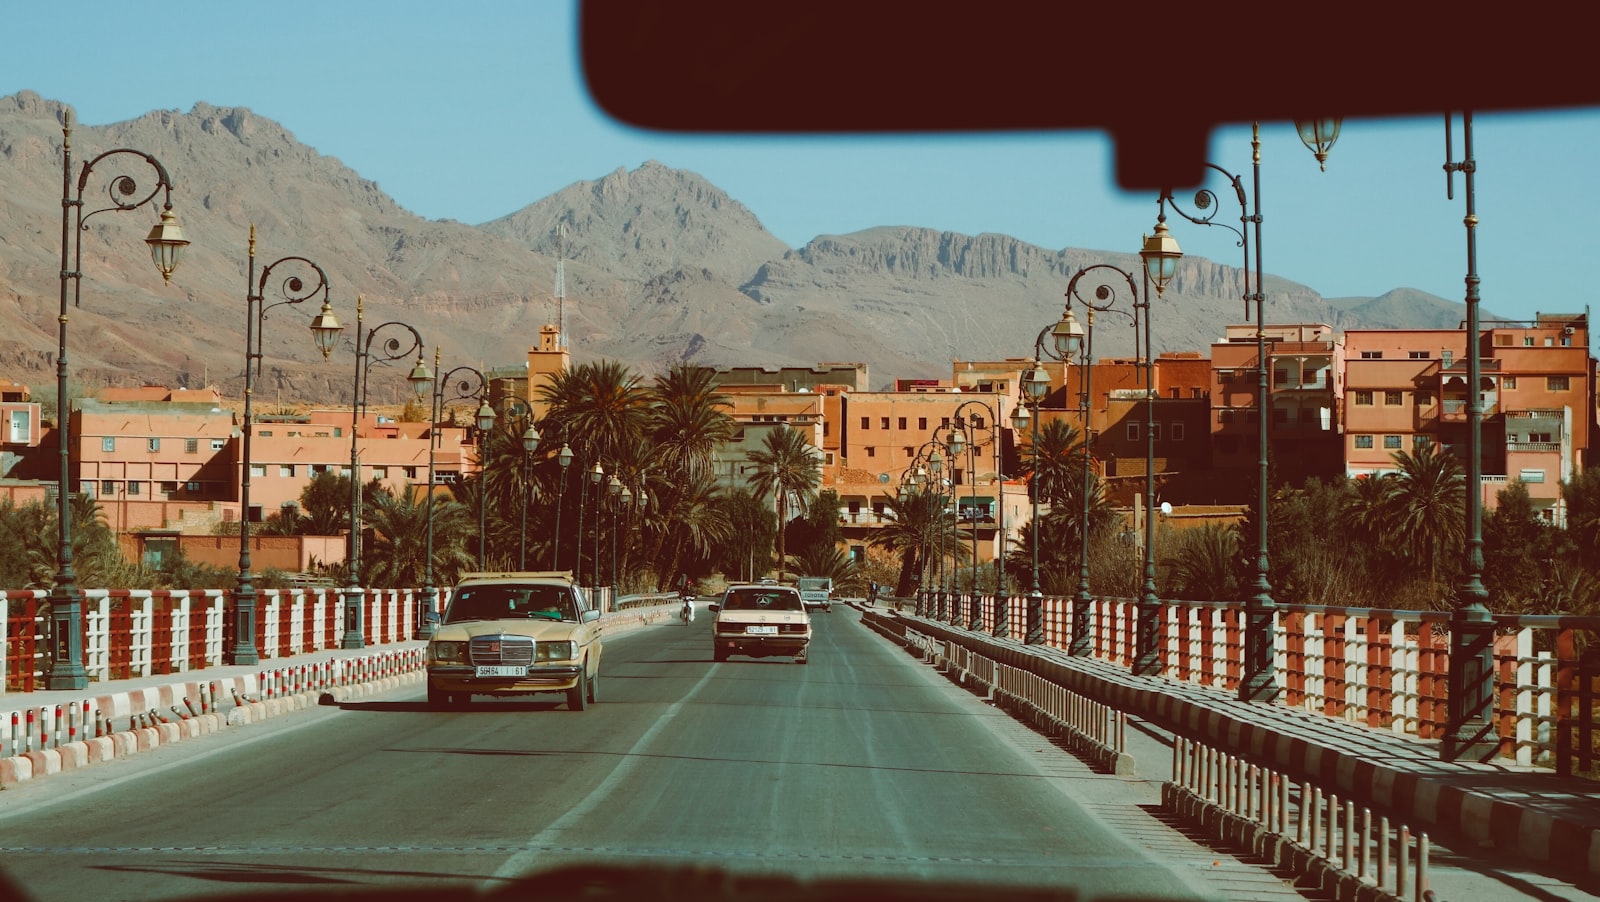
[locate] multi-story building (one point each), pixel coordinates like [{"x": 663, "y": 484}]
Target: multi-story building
[
  {"x": 1406, "y": 388},
  {"x": 1305, "y": 361},
  {"x": 20, "y": 419}
]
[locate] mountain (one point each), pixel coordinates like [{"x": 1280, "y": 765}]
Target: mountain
[{"x": 660, "y": 266}]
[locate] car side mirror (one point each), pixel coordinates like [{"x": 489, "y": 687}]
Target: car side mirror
[
  {"x": 432, "y": 618},
  {"x": 590, "y": 616},
  {"x": 714, "y": 606}
]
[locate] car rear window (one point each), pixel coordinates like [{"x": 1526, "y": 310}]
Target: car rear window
[
  {"x": 511, "y": 603},
  {"x": 762, "y": 600}
]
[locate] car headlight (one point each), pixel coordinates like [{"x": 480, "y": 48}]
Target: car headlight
[
  {"x": 447, "y": 652},
  {"x": 556, "y": 651}
]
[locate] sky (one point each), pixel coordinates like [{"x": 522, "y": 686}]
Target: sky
[{"x": 473, "y": 109}]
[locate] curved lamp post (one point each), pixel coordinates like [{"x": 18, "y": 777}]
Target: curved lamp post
[
  {"x": 597, "y": 476},
  {"x": 1079, "y": 340},
  {"x": 530, "y": 442},
  {"x": 614, "y": 488},
  {"x": 465, "y": 383},
  {"x": 1160, "y": 253},
  {"x": 564, "y": 458},
  {"x": 927, "y": 473},
  {"x": 1035, "y": 387},
  {"x": 956, "y": 443},
  {"x": 305, "y": 280},
  {"x": 420, "y": 378},
  {"x": 166, "y": 241}
]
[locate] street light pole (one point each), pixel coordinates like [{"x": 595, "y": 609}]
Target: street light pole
[
  {"x": 420, "y": 378},
  {"x": 1470, "y": 730},
  {"x": 564, "y": 458},
  {"x": 166, "y": 242},
  {"x": 464, "y": 390},
  {"x": 530, "y": 444},
  {"x": 961, "y": 424},
  {"x": 306, "y": 280},
  {"x": 597, "y": 477},
  {"x": 1035, "y": 386},
  {"x": 1160, "y": 254}
]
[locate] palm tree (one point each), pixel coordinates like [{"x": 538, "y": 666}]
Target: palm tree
[
  {"x": 696, "y": 523},
  {"x": 398, "y": 553},
  {"x": 1204, "y": 568},
  {"x": 919, "y": 522},
  {"x": 1056, "y": 463},
  {"x": 688, "y": 420},
  {"x": 821, "y": 560},
  {"x": 786, "y": 466},
  {"x": 598, "y": 407},
  {"x": 1423, "y": 509}
]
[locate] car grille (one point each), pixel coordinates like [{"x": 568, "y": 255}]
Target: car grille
[{"x": 502, "y": 650}]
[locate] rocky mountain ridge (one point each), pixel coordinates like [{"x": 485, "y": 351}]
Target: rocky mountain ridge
[{"x": 660, "y": 266}]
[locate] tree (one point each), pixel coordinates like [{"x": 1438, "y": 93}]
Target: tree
[
  {"x": 398, "y": 556},
  {"x": 833, "y": 563},
  {"x": 1204, "y": 567},
  {"x": 597, "y": 407},
  {"x": 819, "y": 528},
  {"x": 1055, "y": 463},
  {"x": 1424, "y": 508},
  {"x": 326, "y": 503},
  {"x": 1520, "y": 551},
  {"x": 786, "y": 467},
  {"x": 748, "y": 550},
  {"x": 687, "y": 421},
  {"x": 919, "y": 523},
  {"x": 1581, "y": 495}
]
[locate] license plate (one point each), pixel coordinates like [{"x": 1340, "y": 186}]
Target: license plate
[
  {"x": 761, "y": 630},
  {"x": 502, "y": 670}
]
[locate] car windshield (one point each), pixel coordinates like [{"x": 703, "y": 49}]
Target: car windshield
[
  {"x": 514, "y": 602},
  {"x": 762, "y": 600}
]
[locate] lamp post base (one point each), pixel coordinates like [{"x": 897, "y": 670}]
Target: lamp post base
[
  {"x": 66, "y": 641},
  {"x": 1470, "y": 733}
]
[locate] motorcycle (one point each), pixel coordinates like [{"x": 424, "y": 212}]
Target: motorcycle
[{"x": 686, "y": 612}]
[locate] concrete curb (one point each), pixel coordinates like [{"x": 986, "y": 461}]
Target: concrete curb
[{"x": 1437, "y": 803}]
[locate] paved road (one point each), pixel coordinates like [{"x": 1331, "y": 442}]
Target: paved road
[{"x": 863, "y": 763}]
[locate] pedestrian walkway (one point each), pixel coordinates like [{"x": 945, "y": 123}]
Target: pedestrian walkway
[{"x": 1508, "y": 812}]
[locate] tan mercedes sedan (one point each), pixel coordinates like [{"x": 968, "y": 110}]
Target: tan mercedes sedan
[
  {"x": 520, "y": 633},
  {"x": 761, "y": 621}
]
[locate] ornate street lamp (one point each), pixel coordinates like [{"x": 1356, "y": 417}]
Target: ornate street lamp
[
  {"x": 1074, "y": 339},
  {"x": 464, "y": 384},
  {"x": 421, "y": 378},
  {"x": 1035, "y": 387},
  {"x": 1318, "y": 135},
  {"x": 564, "y": 458},
  {"x": 963, "y": 422},
  {"x": 305, "y": 280},
  {"x": 530, "y": 444},
  {"x": 1161, "y": 254},
  {"x": 166, "y": 241},
  {"x": 615, "y": 489},
  {"x": 484, "y": 421},
  {"x": 597, "y": 476}
]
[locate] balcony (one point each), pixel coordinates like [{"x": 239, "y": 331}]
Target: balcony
[{"x": 1455, "y": 410}]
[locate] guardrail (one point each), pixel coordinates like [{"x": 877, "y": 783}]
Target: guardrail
[
  {"x": 137, "y": 633},
  {"x": 1386, "y": 669}
]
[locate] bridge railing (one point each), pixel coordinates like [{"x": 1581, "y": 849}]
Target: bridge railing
[
  {"x": 131, "y": 633},
  {"x": 1382, "y": 668}
]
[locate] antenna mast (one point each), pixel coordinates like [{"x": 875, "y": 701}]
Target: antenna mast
[{"x": 561, "y": 283}]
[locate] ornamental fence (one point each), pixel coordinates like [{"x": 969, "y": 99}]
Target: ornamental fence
[{"x": 1385, "y": 669}]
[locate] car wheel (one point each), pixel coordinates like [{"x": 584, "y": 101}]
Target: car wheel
[
  {"x": 801, "y": 658},
  {"x": 718, "y": 654},
  {"x": 578, "y": 696},
  {"x": 437, "y": 698},
  {"x": 459, "y": 699},
  {"x": 594, "y": 687}
]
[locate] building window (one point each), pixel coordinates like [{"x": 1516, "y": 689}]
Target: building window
[
  {"x": 1155, "y": 431},
  {"x": 883, "y": 422},
  {"x": 135, "y": 488},
  {"x": 1502, "y": 340},
  {"x": 411, "y": 472},
  {"x": 922, "y": 423},
  {"x": 1225, "y": 416},
  {"x": 1418, "y": 355},
  {"x": 1418, "y": 442},
  {"x": 169, "y": 488},
  {"x": 866, "y": 422},
  {"x": 1508, "y": 382},
  {"x": 1424, "y": 399},
  {"x": 1363, "y": 399},
  {"x": 217, "y": 444},
  {"x": 109, "y": 443},
  {"x": 944, "y": 422},
  {"x": 286, "y": 471},
  {"x": 1556, "y": 383},
  {"x": 1445, "y": 357},
  {"x": 380, "y": 472},
  {"x": 191, "y": 487},
  {"x": 1527, "y": 341},
  {"x": 191, "y": 446},
  {"x": 1531, "y": 476},
  {"x": 1544, "y": 437},
  {"x": 107, "y": 487},
  {"x": 902, "y": 422},
  {"x": 1392, "y": 399},
  {"x": 906, "y": 450},
  {"x": 1371, "y": 355},
  {"x": 1177, "y": 432},
  {"x": 1133, "y": 432},
  {"x": 1391, "y": 442},
  {"x": 152, "y": 444},
  {"x": 871, "y": 451},
  {"x": 258, "y": 470},
  {"x": 1363, "y": 441}
]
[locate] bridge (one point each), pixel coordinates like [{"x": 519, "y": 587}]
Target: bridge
[{"x": 969, "y": 758}]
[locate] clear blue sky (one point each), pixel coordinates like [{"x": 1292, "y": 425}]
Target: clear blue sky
[{"x": 470, "y": 110}]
